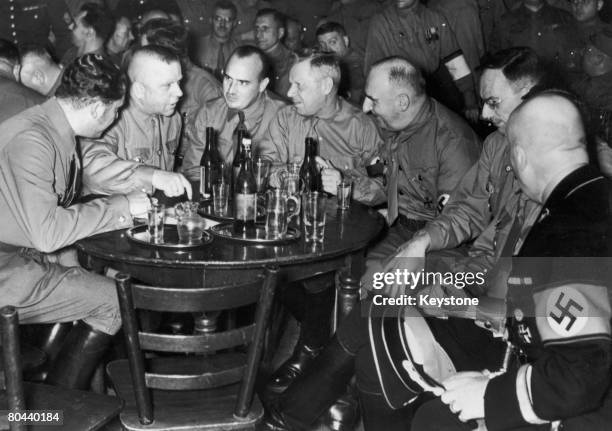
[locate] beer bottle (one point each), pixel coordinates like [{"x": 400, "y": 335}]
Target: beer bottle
[
  {"x": 310, "y": 178},
  {"x": 245, "y": 194},
  {"x": 239, "y": 133},
  {"x": 207, "y": 164}
]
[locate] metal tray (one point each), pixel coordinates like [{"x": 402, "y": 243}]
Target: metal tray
[
  {"x": 226, "y": 230},
  {"x": 140, "y": 235},
  {"x": 206, "y": 210}
]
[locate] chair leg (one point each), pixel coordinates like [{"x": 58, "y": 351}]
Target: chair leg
[
  {"x": 245, "y": 395},
  {"x": 12, "y": 363}
]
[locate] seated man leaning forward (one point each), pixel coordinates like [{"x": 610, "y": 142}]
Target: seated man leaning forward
[
  {"x": 558, "y": 292},
  {"x": 348, "y": 139},
  {"x": 138, "y": 152},
  {"x": 428, "y": 152},
  {"x": 40, "y": 178},
  {"x": 245, "y": 99}
]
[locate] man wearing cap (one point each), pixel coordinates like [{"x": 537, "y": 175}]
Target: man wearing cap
[
  {"x": 138, "y": 152},
  {"x": 244, "y": 99}
]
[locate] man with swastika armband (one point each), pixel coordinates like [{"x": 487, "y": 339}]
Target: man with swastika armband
[{"x": 558, "y": 302}]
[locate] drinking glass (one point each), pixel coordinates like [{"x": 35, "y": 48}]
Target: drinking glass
[
  {"x": 189, "y": 224},
  {"x": 280, "y": 209},
  {"x": 344, "y": 191},
  {"x": 220, "y": 198},
  {"x": 155, "y": 223},
  {"x": 261, "y": 172},
  {"x": 313, "y": 216}
]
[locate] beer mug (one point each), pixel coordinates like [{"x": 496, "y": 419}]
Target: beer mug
[
  {"x": 280, "y": 209},
  {"x": 290, "y": 184}
]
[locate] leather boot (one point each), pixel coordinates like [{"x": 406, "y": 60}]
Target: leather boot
[
  {"x": 292, "y": 368},
  {"x": 49, "y": 339},
  {"x": 79, "y": 357},
  {"x": 310, "y": 394},
  {"x": 343, "y": 415},
  {"x": 377, "y": 414},
  {"x": 314, "y": 334}
]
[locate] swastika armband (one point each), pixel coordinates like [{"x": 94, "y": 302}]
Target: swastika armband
[
  {"x": 572, "y": 312},
  {"x": 457, "y": 66}
]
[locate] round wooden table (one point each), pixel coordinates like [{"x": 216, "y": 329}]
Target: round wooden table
[{"x": 222, "y": 261}]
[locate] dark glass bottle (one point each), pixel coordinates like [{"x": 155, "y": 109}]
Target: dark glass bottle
[
  {"x": 240, "y": 133},
  {"x": 245, "y": 194},
  {"x": 310, "y": 178},
  {"x": 207, "y": 164}
]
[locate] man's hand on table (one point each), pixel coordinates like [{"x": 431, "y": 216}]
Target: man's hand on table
[
  {"x": 171, "y": 183},
  {"x": 330, "y": 176}
]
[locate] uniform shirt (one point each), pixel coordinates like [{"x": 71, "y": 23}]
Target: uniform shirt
[
  {"x": 430, "y": 157},
  {"x": 281, "y": 60},
  {"x": 581, "y": 37},
  {"x": 207, "y": 52},
  {"x": 355, "y": 17},
  {"x": 134, "y": 144},
  {"x": 547, "y": 31},
  {"x": 199, "y": 86},
  {"x": 39, "y": 165},
  {"x": 30, "y": 21},
  {"x": 353, "y": 81},
  {"x": 463, "y": 17},
  {"x": 196, "y": 16},
  {"x": 15, "y": 97},
  {"x": 423, "y": 37},
  {"x": 482, "y": 208},
  {"x": 215, "y": 113},
  {"x": 490, "y": 12},
  {"x": 348, "y": 138},
  {"x": 560, "y": 310}
]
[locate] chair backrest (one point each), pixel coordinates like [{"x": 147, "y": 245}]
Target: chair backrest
[
  {"x": 11, "y": 361},
  {"x": 195, "y": 372}
]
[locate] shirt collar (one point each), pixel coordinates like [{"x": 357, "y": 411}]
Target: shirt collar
[{"x": 252, "y": 113}]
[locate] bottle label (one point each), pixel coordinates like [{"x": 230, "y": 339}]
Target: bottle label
[{"x": 245, "y": 206}]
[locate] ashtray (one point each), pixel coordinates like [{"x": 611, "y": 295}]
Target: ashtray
[
  {"x": 140, "y": 235},
  {"x": 258, "y": 236}
]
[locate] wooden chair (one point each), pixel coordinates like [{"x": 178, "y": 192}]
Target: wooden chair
[
  {"x": 210, "y": 385},
  {"x": 80, "y": 410}
]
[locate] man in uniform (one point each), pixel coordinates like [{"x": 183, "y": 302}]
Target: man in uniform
[
  {"x": 245, "y": 100},
  {"x": 120, "y": 40},
  {"x": 269, "y": 32},
  {"x": 332, "y": 37},
  {"x": 90, "y": 30},
  {"x": 39, "y": 71},
  {"x": 40, "y": 178},
  {"x": 14, "y": 97},
  {"x": 354, "y": 16},
  {"x": 309, "y": 13},
  {"x": 558, "y": 297},
  {"x": 138, "y": 152},
  {"x": 32, "y": 21},
  {"x": 214, "y": 50},
  {"x": 425, "y": 38},
  {"x": 537, "y": 25},
  {"x": 294, "y": 36},
  {"x": 348, "y": 142},
  {"x": 429, "y": 150},
  {"x": 199, "y": 86}
]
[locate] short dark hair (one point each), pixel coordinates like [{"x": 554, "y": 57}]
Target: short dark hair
[
  {"x": 330, "y": 27},
  {"x": 91, "y": 78},
  {"x": 167, "y": 33},
  {"x": 244, "y": 51},
  {"x": 326, "y": 62},
  {"x": 279, "y": 18},
  {"x": 99, "y": 18},
  {"x": 9, "y": 51},
  {"x": 518, "y": 64},
  {"x": 226, "y": 5},
  {"x": 403, "y": 73}
]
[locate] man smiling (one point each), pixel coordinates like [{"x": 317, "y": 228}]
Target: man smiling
[
  {"x": 137, "y": 152},
  {"x": 244, "y": 95}
]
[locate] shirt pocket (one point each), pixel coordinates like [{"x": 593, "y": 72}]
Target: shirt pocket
[
  {"x": 139, "y": 154},
  {"x": 423, "y": 184}
]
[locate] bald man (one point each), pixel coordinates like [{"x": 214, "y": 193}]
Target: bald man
[
  {"x": 558, "y": 299},
  {"x": 138, "y": 152},
  {"x": 39, "y": 71}
]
